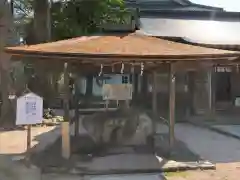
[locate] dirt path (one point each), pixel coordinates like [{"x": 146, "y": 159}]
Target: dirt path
[
  {"x": 14, "y": 142},
  {"x": 222, "y": 150}
]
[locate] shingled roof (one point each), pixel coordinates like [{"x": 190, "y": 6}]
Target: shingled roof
[{"x": 128, "y": 45}]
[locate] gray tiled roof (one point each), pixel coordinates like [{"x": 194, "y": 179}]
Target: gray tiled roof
[
  {"x": 159, "y": 5},
  {"x": 213, "y": 32}
]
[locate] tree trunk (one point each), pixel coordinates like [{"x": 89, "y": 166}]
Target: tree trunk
[
  {"x": 42, "y": 21},
  {"x": 6, "y": 35},
  {"x": 39, "y": 30},
  {"x": 42, "y": 33}
]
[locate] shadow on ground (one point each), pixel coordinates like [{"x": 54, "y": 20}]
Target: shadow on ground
[
  {"x": 87, "y": 158},
  {"x": 179, "y": 153}
]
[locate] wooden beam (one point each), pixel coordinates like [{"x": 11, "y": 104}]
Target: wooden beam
[
  {"x": 183, "y": 66},
  {"x": 66, "y": 124},
  {"x": 100, "y": 58},
  {"x": 172, "y": 84}
]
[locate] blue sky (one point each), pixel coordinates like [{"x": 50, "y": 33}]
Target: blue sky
[{"x": 228, "y": 5}]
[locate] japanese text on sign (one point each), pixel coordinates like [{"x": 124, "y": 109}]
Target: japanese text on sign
[
  {"x": 117, "y": 91},
  {"x": 29, "y": 109}
]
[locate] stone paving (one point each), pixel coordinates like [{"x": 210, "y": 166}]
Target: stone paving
[
  {"x": 209, "y": 145},
  {"x": 228, "y": 125},
  {"x": 230, "y": 129},
  {"x": 218, "y": 148}
]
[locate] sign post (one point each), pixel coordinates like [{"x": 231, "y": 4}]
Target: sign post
[
  {"x": 28, "y": 138},
  {"x": 29, "y": 112}
]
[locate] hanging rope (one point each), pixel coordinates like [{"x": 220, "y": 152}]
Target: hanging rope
[
  {"x": 101, "y": 70},
  {"x": 142, "y": 68},
  {"x": 122, "y": 68},
  {"x": 132, "y": 69}
]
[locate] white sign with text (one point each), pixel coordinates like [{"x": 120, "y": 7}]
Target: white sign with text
[
  {"x": 29, "y": 109},
  {"x": 237, "y": 101},
  {"x": 117, "y": 91}
]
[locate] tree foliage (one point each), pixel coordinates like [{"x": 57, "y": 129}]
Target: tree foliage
[
  {"x": 71, "y": 18},
  {"x": 74, "y": 18}
]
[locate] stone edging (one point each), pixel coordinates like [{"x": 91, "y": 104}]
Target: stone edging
[
  {"x": 214, "y": 129},
  {"x": 179, "y": 167}
]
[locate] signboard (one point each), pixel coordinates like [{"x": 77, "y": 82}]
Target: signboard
[
  {"x": 29, "y": 109},
  {"x": 237, "y": 101},
  {"x": 223, "y": 69},
  {"x": 117, "y": 92}
]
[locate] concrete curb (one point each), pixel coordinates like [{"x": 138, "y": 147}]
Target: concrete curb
[{"x": 215, "y": 130}]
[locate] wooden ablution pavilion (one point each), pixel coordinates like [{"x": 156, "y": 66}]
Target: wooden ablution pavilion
[{"x": 141, "y": 55}]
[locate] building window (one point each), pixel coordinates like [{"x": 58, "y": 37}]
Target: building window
[{"x": 125, "y": 79}]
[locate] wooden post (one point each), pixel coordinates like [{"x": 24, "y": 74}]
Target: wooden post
[
  {"x": 172, "y": 84},
  {"x": 28, "y": 138},
  {"x": 65, "y": 124},
  {"x": 154, "y": 101},
  {"x": 136, "y": 85},
  {"x": 191, "y": 78},
  {"x": 213, "y": 93},
  {"x": 210, "y": 94},
  {"x": 28, "y": 153},
  {"x": 76, "y": 124},
  {"x": 144, "y": 85}
]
